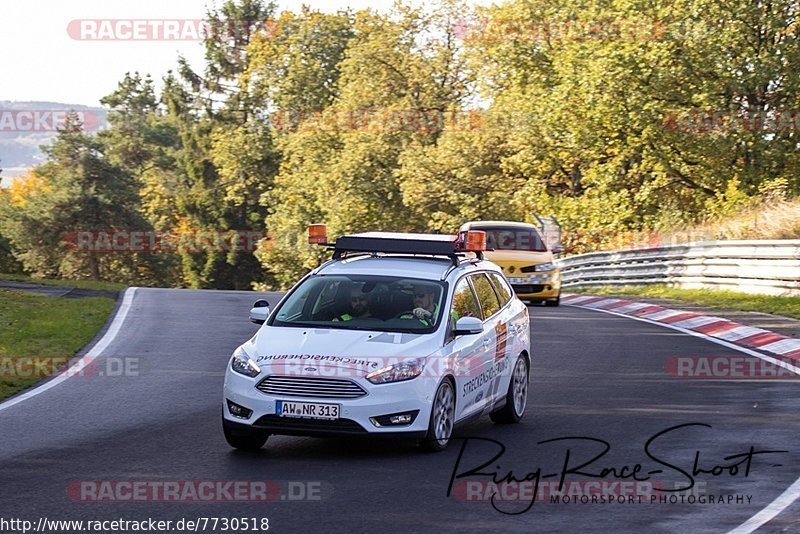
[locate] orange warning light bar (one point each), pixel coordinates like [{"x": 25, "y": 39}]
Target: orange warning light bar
[
  {"x": 317, "y": 234},
  {"x": 475, "y": 241}
]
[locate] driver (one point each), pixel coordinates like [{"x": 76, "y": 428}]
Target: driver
[{"x": 359, "y": 306}]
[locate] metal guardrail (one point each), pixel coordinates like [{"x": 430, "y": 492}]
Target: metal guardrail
[{"x": 759, "y": 267}]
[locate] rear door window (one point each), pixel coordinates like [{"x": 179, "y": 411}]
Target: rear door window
[
  {"x": 486, "y": 294},
  {"x": 500, "y": 284},
  {"x": 464, "y": 303}
]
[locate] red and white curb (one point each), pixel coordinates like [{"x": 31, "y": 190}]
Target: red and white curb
[
  {"x": 723, "y": 332},
  {"x": 714, "y": 327}
]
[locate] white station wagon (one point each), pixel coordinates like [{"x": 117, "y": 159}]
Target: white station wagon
[{"x": 399, "y": 335}]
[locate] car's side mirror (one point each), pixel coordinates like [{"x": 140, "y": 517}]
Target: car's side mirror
[
  {"x": 259, "y": 312},
  {"x": 557, "y": 249},
  {"x": 468, "y": 326}
]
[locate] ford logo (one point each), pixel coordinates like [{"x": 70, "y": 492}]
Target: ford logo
[{"x": 310, "y": 369}]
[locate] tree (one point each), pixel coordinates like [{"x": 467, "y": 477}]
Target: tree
[
  {"x": 294, "y": 66},
  {"x": 77, "y": 189},
  {"x": 611, "y": 93},
  {"x": 224, "y": 159},
  {"x": 342, "y": 156}
]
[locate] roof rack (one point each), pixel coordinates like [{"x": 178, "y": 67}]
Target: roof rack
[{"x": 452, "y": 246}]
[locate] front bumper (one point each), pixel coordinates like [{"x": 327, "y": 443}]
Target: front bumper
[
  {"x": 355, "y": 414},
  {"x": 537, "y": 286},
  {"x": 318, "y": 430}
]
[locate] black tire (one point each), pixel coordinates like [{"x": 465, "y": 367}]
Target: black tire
[
  {"x": 244, "y": 440},
  {"x": 433, "y": 441},
  {"x": 510, "y": 413},
  {"x": 555, "y": 302}
]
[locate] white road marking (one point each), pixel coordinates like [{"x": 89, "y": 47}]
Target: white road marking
[
  {"x": 774, "y": 508},
  {"x": 89, "y": 357},
  {"x": 792, "y": 493}
]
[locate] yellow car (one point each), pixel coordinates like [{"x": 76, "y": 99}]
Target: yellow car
[{"x": 518, "y": 248}]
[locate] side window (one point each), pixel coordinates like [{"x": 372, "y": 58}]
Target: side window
[
  {"x": 297, "y": 309},
  {"x": 464, "y": 303},
  {"x": 486, "y": 295},
  {"x": 326, "y": 296},
  {"x": 502, "y": 288}
]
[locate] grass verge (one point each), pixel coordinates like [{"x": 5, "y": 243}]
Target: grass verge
[
  {"x": 81, "y": 284},
  {"x": 45, "y": 328},
  {"x": 786, "y": 306}
]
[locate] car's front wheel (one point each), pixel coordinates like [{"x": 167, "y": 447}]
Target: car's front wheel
[
  {"x": 517, "y": 395},
  {"x": 442, "y": 420},
  {"x": 243, "y": 439},
  {"x": 554, "y": 302}
]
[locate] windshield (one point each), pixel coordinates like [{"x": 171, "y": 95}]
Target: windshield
[
  {"x": 511, "y": 238},
  {"x": 364, "y": 302}
]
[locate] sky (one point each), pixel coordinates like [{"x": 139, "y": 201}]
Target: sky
[
  {"x": 42, "y": 61},
  {"x": 45, "y": 57}
]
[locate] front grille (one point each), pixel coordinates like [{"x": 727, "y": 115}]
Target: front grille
[
  {"x": 309, "y": 386},
  {"x": 529, "y": 269},
  {"x": 528, "y": 288}
]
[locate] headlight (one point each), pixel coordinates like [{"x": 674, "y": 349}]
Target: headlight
[
  {"x": 545, "y": 267},
  {"x": 398, "y": 372},
  {"x": 243, "y": 364}
]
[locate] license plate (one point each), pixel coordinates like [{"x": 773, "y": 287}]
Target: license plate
[
  {"x": 310, "y": 410},
  {"x": 518, "y": 280}
]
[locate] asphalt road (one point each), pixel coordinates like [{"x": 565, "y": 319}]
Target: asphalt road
[{"x": 594, "y": 375}]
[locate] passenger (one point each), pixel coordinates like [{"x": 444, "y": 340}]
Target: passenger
[{"x": 425, "y": 308}]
